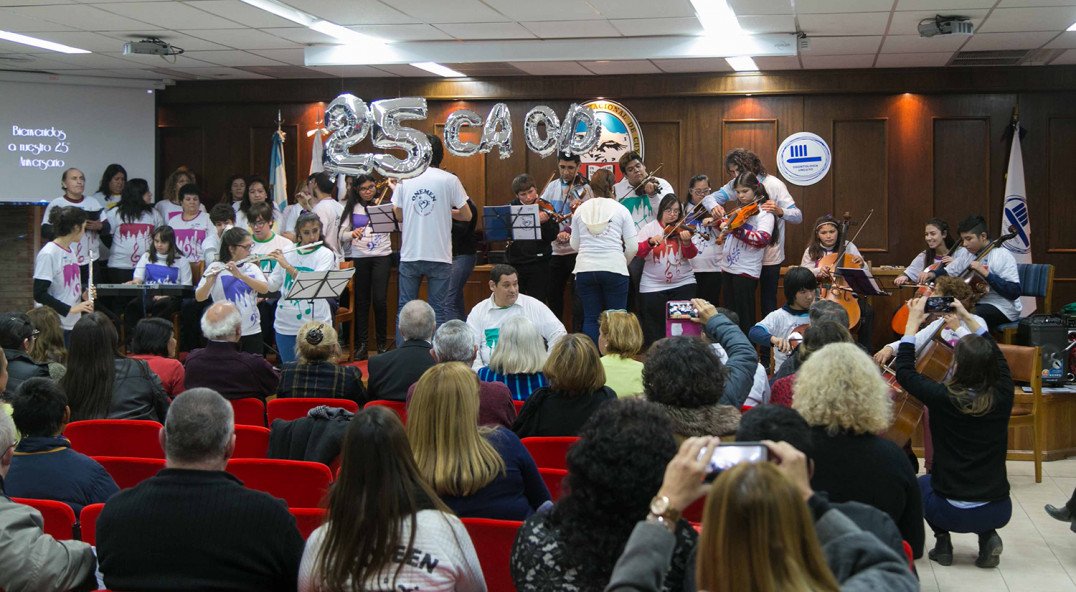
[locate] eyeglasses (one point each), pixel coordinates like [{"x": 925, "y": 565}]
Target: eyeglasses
[
  {"x": 247, "y": 246},
  {"x": 703, "y": 191},
  {"x": 259, "y": 223}
]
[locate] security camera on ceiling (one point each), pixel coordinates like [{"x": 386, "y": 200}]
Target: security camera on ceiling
[{"x": 946, "y": 25}]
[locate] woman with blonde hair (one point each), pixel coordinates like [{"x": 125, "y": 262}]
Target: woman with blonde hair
[
  {"x": 620, "y": 339},
  {"x": 49, "y": 345},
  {"x": 576, "y": 389},
  {"x": 841, "y": 394},
  {"x": 517, "y": 358},
  {"x": 315, "y": 373},
  {"x": 477, "y": 471}
]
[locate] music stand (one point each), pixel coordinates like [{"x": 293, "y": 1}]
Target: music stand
[
  {"x": 315, "y": 285},
  {"x": 383, "y": 219},
  {"x": 861, "y": 281},
  {"x": 497, "y": 221},
  {"x": 520, "y": 220}
]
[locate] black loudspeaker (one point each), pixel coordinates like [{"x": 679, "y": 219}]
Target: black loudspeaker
[{"x": 1052, "y": 335}]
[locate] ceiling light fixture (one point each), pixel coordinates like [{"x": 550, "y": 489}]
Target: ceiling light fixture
[
  {"x": 322, "y": 26},
  {"x": 717, "y": 18},
  {"x": 1072, "y": 27},
  {"x": 34, "y": 41},
  {"x": 438, "y": 69},
  {"x": 742, "y": 64}
]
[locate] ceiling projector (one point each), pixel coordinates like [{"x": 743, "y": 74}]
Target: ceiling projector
[
  {"x": 946, "y": 25},
  {"x": 150, "y": 46}
]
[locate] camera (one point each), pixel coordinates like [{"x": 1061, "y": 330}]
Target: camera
[
  {"x": 729, "y": 454},
  {"x": 939, "y": 304}
]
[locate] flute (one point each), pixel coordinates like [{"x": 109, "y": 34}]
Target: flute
[
  {"x": 90, "y": 289},
  {"x": 252, "y": 258}
]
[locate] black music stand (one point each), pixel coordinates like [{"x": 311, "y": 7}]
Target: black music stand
[
  {"x": 315, "y": 285},
  {"x": 505, "y": 223},
  {"x": 383, "y": 219},
  {"x": 861, "y": 281}
]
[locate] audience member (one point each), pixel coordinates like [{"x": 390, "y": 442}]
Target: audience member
[
  {"x": 44, "y": 465},
  {"x": 506, "y": 301},
  {"x": 454, "y": 342},
  {"x": 17, "y": 337},
  {"x": 815, "y": 338},
  {"x": 517, "y": 359},
  {"x": 194, "y": 526},
  {"x": 49, "y": 346},
  {"x": 155, "y": 342},
  {"x": 315, "y": 374},
  {"x": 380, "y": 508},
  {"x": 30, "y": 560},
  {"x": 392, "y": 372},
  {"x": 819, "y": 312},
  {"x": 576, "y": 390},
  {"x": 478, "y": 472},
  {"x": 102, "y": 384},
  {"x": 221, "y": 365},
  {"x": 620, "y": 339},
  {"x": 1066, "y": 513},
  {"x": 760, "y": 383},
  {"x": 613, "y": 472}
]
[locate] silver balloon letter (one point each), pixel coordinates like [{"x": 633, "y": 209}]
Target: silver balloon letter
[
  {"x": 577, "y": 141},
  {"x": 539, "y": 115},
  {"x": 389, "y": 134},
  {"x": 348, "y": 121},
  {"x": 455, "y": 145},
  {"x": 492, "y": 137}
]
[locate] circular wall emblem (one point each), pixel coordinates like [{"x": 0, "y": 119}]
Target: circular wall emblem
[
  {"x": 620, "y": 133},
  {"x": 1016, "y": 215},
  {"x": 804, "y": 158}
]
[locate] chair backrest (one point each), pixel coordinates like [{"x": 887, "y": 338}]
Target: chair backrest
[
  {"x": 128, "y": 472},
  {"x": 911, "y": 556},
  {"x": 308, "y": 519},
  {"x": 197, "y": 269},
  {"x": 251, "y": 442},
  {"x": 1037, "y": 279},
  {"x": 299, "y": 483},
  {"x": 518, "y": 405},
  {"x": 87, "y": 519},
  {"x": 398, "y": 406},
  {"x": 59, "y": 518},
  {"x": 289, "y": 409},
  {"x": 550, "y": 452},
  {"x": 553, "y": 480},
  {"x": 134, "y": 438},
  {"x": 248, "y": 411},
  {"x": 493, "y": 541},
  {"x": 350, "y": 304},
  {"x": 1025, "y": 365}
]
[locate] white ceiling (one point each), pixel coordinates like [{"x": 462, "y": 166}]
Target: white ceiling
[{"x": 227, "y": 39}]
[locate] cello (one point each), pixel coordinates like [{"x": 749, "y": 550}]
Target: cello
[
  {"x": 900, "y": 318},
  {"x": 933, "y": 361},
  {"x": 836, "y": 290},
  {"x": 979, "y": 286}
]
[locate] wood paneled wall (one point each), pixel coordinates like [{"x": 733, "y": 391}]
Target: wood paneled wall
[{"x": 909, "y": 156}]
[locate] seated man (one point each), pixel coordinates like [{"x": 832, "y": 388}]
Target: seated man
[
  {"x": 504, "y": 303},
  {"x": 221, "y": 365},
  {"x": 31, "y": 560},
  {"x": 194, "y": 526},
  {"x": 44, "y": 465},
  {"x": 454, "y": 342},
  {"x": 392, "y": 372},
  {"x": 17, "y": 336}
]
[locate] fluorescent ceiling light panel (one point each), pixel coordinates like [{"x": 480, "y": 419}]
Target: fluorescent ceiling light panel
[
  {"x": 329, "y": 28},
  {"x": 438, "y": 69},
  {"x": 283, "y": 11},
  {"x": 34, "y": 41},
  {"x": 1072, "y": 27},
  {"x": 343, "y": 33},
  {"x": 742, "y": 64},
  {"x": 716, "y": 17}
]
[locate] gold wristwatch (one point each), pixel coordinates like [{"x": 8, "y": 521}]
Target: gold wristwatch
[{"x": 663, "y": 514}]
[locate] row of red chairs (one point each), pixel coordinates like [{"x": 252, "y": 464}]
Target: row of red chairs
[{"x": 252, "y": 411}]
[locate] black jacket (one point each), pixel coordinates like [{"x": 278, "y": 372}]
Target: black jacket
[
  {"x": 391, "y": 373},
  {"x": 137, "y": 393},
  {"x": 21, "y": 367},
  {"x": 526, "y": 252}
]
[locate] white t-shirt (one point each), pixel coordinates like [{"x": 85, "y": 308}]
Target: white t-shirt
[
  {"x": 159, "y": 272},
  {"x": 760, "y": 386},
  {"x": 289, "y": 217},
  {"x": 710, "y": 255},
  {"x": 169, "y": 210},
  {"x": 486, "y": 319},
  {"x": 604, "y": 251},
  {"x": 191, "y": 233},
  {"x": 780, "y": 323},
  {"x": 293, "y": 314},
  {"x": 741, "y": 256},
  {"x": 778, "y": 192},
  {"x": 268, "y": 246},
  {"x": 230, "y": 288},
  {"x": 110, "y": 201},
  {"x": 427, "y": 202},
  {"x": 555, "y": 193},
  {"x": 812, "y": 264},
  {"x": 131, "y": 239},
  {"x": 211, "y": 244},
  {"x": 242, "y": 222},
  {"x": 60, "y": 266},
  {"x": 916, "y": 267},
  {"x": 922, "y": 337},
  {"x": 443, "y": 558},
  {"x": 665, "y": 266},
  {"x": 329, "y": 211},
  {"x": 643, "y": 208},
  {"x": 88, "y": 248},
  {"x": 998, "y": 261},
  {"x": 372, "y": 244}
]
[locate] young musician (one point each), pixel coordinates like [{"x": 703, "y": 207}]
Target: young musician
[
  {"x": 191, "y": 224},
  {"x": 1002, "y": 303},
  {"x": 257, "y": 192},
  {"x": 707, "y": 264},
  {"x": 162, "y": 264},
  {"x": 952, "y": 326},
  {"x": 260, "y": 217},
  {"x": 566, "y": 193},
  {"x": 323, "y": 203},
  {"x": 88, "y": 247},
  {"x": 293, "y": 314},
  {"x": 745, "y": 249},
  {"x": 222, "y": 216},
  {"x": 642, "y": 200},
  {"x": 939, "y": 242},
  {"x": 57, "y": 281},
  {"x": 297, "y": 206},
  {"x": 667, "y": 273},
  {"x": 371, "y": 254},
  {"x": 225, "y": 279},
  {"x": 774, "y": 329},
  {"x": 110, "y": 189},
  {"x": 132, "y": 222},
  {"x": 170, "y": 204},
  {"x": 824, "y": 242},
  {"x": 531, "y": 257}
]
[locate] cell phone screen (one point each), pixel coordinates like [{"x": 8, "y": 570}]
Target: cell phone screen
[
  {"x": 681, "y": 309},
  {"x": 939, "y": 304},
  {"x": 729, "y": 454}
]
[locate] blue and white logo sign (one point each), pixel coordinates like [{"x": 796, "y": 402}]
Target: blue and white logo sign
[
  {"x": 804, "y": 158},
  {"x": 1016, "y": 215}
]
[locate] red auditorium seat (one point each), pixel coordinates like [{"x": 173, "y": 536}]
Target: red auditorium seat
[
  {"x": 299, "y": 483},
  {"x": 693, "y": 513},
  {"x": 134, "y": 438},
  {"x": 550, "y": 453},
  {"x": 249, "y": 411},
  {"x": 553, "y": 479},
  {"x": 251, "y": 441},
  {"x": 493, "y": 543},
  {"x": 59, "y": 518},
  {"x": 307, "y": 519},
  {"x": 88, "y": 520},
  {"x": 519, "y": 406},
  {"x": 289, "y": 409},
  {"x": 398, "y": 406},
  {"x": 128, "y": 472}
]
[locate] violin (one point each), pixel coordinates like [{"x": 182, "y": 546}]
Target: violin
[
  {"x": 548, "y": 208},
  {"x": 639, "y": 189},
  {"x": 900, "y": 318},
  {"x": 738, "y": 217}
]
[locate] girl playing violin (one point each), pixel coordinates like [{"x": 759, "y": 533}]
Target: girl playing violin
[
  {"x": 707, "y": 264},
  {"x": 744, "y": 251},
  {"x": 939, "y": 243},
  {"x": 665, "y": 246},
  {"x": 824, "y": 243}
]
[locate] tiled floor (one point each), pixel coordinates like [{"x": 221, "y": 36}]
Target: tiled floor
[{"x": 1040, "y": 552}]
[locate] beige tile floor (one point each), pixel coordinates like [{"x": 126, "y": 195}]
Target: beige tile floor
[{"x": 1040, "y": 552}]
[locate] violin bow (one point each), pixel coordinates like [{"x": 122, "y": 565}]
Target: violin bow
[{"x": 648, "y": 178}]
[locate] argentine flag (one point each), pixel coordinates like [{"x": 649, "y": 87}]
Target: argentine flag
[{"x": 278, "y": 179}]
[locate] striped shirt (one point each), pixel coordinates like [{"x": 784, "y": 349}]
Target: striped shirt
[{"x": 520, "y": 385}]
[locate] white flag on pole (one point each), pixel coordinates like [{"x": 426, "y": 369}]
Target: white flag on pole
[
  {"x": 1014, "y": 213},
  {"x": 316, "y": 152}
]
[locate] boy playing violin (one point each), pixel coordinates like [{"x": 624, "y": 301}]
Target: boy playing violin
[{"x": 531, "y": 257}]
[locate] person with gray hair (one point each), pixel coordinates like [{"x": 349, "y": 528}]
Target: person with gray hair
[
  {"x": 221, "y": 365},
  {"x": 454, "y": 342},
  {"x": 820, "y": 312},
  {"x": 393, "y": 371},
  {"x": 193, "y": 513}
]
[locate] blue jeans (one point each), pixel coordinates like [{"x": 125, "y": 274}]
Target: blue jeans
[
  {"x": 600, "y": 291},
  {"x": 462, "y": 266},
  {"x": 437, "y": 280},
  {"x": 285, "y": 347},
  {"x": 943, "y": 516}
]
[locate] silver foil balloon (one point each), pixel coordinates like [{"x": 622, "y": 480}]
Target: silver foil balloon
[
  {"x": 454, "y": 144},
  {"x": 497, "y": 133},
  {"x": 578, "y": 143},
  {"x": 538, "y": 115},
  {"x": 389, "y": 134},
  {"x": 348, "y": 121}
]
